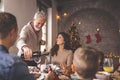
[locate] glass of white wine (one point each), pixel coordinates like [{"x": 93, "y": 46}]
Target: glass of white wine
[{"x": 108, "y": 65}]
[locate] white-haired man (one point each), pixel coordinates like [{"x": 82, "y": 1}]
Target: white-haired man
[{"x": 30, "y": 37}]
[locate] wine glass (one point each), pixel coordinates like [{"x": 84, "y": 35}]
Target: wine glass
[
  {"x": 108, "y": 65},
  {"x": 37, "y": 60}
]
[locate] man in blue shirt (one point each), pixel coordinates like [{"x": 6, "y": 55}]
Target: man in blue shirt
[{"x": 11, "y": 66}]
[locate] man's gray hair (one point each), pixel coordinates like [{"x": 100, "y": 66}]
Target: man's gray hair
[{"x": 40, "y": 14}]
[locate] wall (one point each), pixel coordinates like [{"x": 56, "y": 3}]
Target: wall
[
  {"x": 90, "y": 15},
  {"x": 54, "y": 22},
  {"x": 23, "y": 10}
]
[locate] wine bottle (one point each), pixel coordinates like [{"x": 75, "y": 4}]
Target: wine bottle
[{"x": 34, "y": 54}]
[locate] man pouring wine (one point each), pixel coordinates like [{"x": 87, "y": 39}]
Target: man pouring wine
[{"x": 30, "y": 37}]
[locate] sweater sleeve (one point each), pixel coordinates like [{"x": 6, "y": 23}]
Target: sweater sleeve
[
  {"x": 70, "y": 58},
  {"x": 22, "y": 38}
]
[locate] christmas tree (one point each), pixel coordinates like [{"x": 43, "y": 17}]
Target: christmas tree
[{"x": 74, "y": 37}]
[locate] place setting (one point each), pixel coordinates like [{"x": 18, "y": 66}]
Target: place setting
[{"x": 108, "y": 72}]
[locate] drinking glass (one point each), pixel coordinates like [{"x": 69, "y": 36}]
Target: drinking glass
[
  {"x": 37, "y": 60},
  {"x": 108, "y": 65}
]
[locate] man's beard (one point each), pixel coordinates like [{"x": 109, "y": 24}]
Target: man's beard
[{"x": 36, "y": 29}]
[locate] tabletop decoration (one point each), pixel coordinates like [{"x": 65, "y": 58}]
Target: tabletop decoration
[
  {"x": 52, "y": 71},
  {"x": 35, "y": 71}
]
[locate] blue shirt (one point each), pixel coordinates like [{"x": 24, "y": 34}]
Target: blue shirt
[{"x": 12, "y": 67}]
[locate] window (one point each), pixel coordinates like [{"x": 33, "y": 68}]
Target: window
[
  {"x": 1, "y": 6},
  {"x": 43, "y": 47}
]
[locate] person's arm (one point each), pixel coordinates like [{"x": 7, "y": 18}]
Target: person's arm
[
  {"x": 70, "y": 58},
  {"x": 20, "y": 72},
  {"x": 67, "y": 67},
  {"x": 21, "y": 43},
  {"x": 22, "y": 38}
]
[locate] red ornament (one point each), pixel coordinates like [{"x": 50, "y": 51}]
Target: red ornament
[
  {"x": 88, "y": 39},
  {"x": 98, "y": 37}
]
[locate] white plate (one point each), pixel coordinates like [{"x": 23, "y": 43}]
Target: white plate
[{"x": 102, "y": 75}]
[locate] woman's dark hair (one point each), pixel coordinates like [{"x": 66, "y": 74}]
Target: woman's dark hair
[
  {"x": 7, "y": 23},
  {"x": 55, "y": 48}
]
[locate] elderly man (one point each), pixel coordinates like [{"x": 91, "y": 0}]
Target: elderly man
[
  {"x": 30, "y": 37},
  {"x": 11, "y": 66}
]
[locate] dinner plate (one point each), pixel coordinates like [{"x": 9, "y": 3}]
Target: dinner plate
[{"x": 102, "y": 75}]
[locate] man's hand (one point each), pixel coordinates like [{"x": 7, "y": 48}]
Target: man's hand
[
  {"x": 42, "y": 42},
  {"x": 27, "y": 52}
]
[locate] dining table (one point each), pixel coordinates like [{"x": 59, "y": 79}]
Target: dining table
[{"x": 41, "y": 71}]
